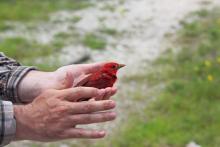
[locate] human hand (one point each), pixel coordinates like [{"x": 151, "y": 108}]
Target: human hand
[
  {"x": 35, "y": 82},
  {"x": 55, "y": 114},
  {"x": 70, "y": 75}
]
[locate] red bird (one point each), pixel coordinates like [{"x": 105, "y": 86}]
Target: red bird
[{"x": 103, "y": 78}]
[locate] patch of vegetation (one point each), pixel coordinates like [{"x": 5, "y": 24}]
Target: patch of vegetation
[
  {"x": 94, "y": 41},
  {"x": 76, "y": 19},
  {"x": 109, "y": 7},
  {"x": 27, "y": 51},
  {"x": 4, "y": 27},
  {"x": 65, "y": 37},
  {"x": 26, "y": 11},
  {"x": 202, "y": 13},
  {"x": 109, "y": 31},
  {"x": 40, "y": 9},
  {"x": 188, "y": 108},
  {"x": 29, "y": 13},
  {"x": 62, "y": 36}
]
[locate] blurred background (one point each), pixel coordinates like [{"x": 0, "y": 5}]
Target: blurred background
[{"x": 168, "y": 93}]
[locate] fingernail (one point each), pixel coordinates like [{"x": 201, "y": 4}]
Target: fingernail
[
  {"x": 112, "y": 115},
  {"x": 102, "y": 133},
  {"x": 112, "y": 103},
  {"x": 114, "y": 90},
  {"x": 92, "y": 100}
]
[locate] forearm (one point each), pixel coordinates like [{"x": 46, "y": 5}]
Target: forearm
[
  {"x": 11, "y": 73},
  {"x": 34, "y": 83},
  {"x": 21, "y": 84},
  {"x": 10, "y": 77}
]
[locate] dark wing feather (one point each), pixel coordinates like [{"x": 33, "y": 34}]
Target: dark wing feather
[
  {"x": 83, "y": 81},
  {"x": 100, "y": 80}
]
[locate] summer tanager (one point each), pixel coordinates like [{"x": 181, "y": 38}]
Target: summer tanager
[{"x": 103, "y": 78}]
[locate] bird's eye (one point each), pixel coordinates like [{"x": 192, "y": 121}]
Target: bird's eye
[{"x": 113, "y": 66}]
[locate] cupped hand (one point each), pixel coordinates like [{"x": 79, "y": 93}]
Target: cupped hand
[
  {"x": 55, "y": 114},
  {"x": 35, "y": 82},
  {"x": 70, "y": 75}
]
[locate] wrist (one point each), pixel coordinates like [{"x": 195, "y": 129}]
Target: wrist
[
  {"x": 21, "y": 123},
  {"x": 34, "y": 83}
]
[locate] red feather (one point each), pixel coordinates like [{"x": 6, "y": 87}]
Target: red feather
[{"x": 103, "y": 78}]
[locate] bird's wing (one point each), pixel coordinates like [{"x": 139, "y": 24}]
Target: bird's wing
[
  {"x": 97, "y": 80},
  {"x": 83, "y": 81},
  {"x": 100, "y": 80}
]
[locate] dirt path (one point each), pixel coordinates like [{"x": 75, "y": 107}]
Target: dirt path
[{"x": 142, "y": 25}]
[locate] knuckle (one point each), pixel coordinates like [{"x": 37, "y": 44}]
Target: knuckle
[
  {"x": 88, "y": 107},
  {"x": 51, "y": 103},
  {"x": 88, "y": 118},
  {"x": 95, "y": 91},
  {"x": 61, "y": 110},
  {"x": 69, "y": 119},
  {"x": 74, "y": 119},
  {"x": 54, "y": 104}
]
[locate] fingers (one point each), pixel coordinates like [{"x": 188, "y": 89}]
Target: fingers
[
  {"x": 92, "y": 118},
  {"x": 110, "y": 91},
  {"x": 83, "y": 133},
  {"x": 85, "y": 93},
  {"x": 75, "y": 94},
  {"x": 90, "y": 106}
]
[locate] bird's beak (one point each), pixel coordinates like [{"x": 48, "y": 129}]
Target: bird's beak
[{"x": 121, "y": 65}]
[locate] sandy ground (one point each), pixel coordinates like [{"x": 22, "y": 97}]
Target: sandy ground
[{"x": 143, "y": 23}]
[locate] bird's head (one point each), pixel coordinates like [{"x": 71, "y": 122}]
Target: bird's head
[{"x": 112, "y": 67}]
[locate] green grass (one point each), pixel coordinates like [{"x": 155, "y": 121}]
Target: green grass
[
  {"x": 94, "y": 41},
  {"x": 25, "y": 10},
  {"x": 109, "y": 31},
  {"x": 4, "y": 26},
  {"x": 76, "y": 19},
  {"x": 31, "y": 13},
  {"x": 109, "y": 7},
  {"x": 27, "y": 51},
  {"x": 188, "y": 108}
]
